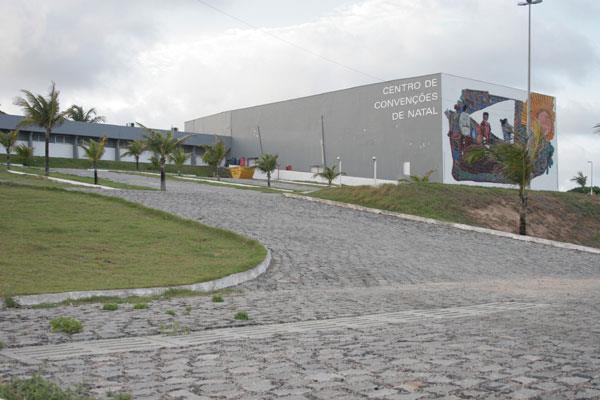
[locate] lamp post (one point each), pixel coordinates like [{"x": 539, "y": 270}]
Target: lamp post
[
  {"x": 339, "y": 160},
  {"x": 375, "y": 170},
  {"x": 529, "y": 3},
  {"x": 591, "y": 178}
]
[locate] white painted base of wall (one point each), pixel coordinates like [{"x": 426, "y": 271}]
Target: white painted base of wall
[{"x": 299, "y": 176}]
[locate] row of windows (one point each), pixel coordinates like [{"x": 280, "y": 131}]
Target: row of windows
[{"x": 69, "y": 139}]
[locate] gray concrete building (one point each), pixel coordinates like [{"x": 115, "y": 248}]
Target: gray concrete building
[{"x": 410, "y": 125}]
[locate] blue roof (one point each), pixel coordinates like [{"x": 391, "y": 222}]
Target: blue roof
[{"x": 86, "y": 129}]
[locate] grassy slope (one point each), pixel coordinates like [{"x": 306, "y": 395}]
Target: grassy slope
[
  {"x": 53, "y": 240},
  {"x": 56, "y": 162},
  {"x": 101, "y": 181},
  {"x": 570, "y": 217}
]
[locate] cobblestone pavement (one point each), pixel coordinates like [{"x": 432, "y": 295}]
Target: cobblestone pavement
[{"x": 329, "y": 263}]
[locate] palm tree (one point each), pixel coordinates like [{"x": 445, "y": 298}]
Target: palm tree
[
  {"x": 328, "y": 173},
  {"x": 8, "y": 140},
  {"x": 580, "y": 179},
  {"x": 422, "y": 179},
  {"x": 44, "y": 112},
  {"x": 517, "y": 162},
  {"x": 214, "y": 155},
  {"x": 163, "y": 146},
  {"x": 267, "y": 163},
  {"x": 24, "y": 154},
  {"x": 135, "y": 149},
  {"x": 77, "y": 113},
  {"x": 179, "y": 157},
  {"x": 94, "y": 150}
]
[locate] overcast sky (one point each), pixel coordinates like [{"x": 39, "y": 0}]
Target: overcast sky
[{"x": 165, "y": 62}]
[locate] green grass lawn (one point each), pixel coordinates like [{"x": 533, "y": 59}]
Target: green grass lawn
[
  {"x": 82, "y": 163},
  {"x": 54, "y": 240},
  {"x": 85, "y": 179},
  {"x": 572, "y": 217}
]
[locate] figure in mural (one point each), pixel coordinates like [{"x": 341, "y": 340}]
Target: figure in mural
[
  {"x": 486, "y": 129},
  {"x": 465, "y": 133},
  {"x": 464, "y": 121},
  {"x": 507, "y": 131}
]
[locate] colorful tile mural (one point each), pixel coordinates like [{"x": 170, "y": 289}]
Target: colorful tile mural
[{"x": 466, "y": 133}]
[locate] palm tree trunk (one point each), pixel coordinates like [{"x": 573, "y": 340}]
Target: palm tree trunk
[
  {"x": 137, "y": 163},
  {"x": 523, "y": 211},
  {"x": 163, "y": 178},
  {"x": 47, "y": 153},
  {"x": 217, "y": 172},
  {"x": 269, "y": 178},
  {"x": 95, "y": 175},
  {"x": 8, "y": 158}
]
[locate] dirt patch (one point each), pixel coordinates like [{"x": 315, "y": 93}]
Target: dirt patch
[{"x": 547, "y": 219}]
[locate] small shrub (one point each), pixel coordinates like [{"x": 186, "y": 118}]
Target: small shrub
[
  {"x": 188, "y": 309},
  {"x": 120, "y": 396},
  {"x": 140, "y": 306},
  {"x": 172, "y": 313},
  {"x": 36, "y": 388},
  {"x": 9, "y": 302},
  {"x": 67, "y": 325},
  {"x": 110, "y": 307},
  {"x": 217, "y": 298},
  {"x": 241, "y": 316},
  {"x": 174, "y": 329},
  {"x": 2, "y": 345}
]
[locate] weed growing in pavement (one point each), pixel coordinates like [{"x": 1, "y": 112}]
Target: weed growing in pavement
[
  {"x": 68, "y": 325},
  {"x": 110, "y": 307},
  {"x": 217, "y": 298},
  {"x": 241, "y": 316}
]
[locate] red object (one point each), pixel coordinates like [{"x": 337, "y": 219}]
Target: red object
[
  {"x": 288, "y": 167},
  {"x": 243, "y": 162}
]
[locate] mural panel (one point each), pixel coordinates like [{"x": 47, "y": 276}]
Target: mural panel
[{"x": 482, "y": 118}]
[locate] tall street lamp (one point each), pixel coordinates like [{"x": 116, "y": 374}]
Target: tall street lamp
[{"x": 529, "y": 3}]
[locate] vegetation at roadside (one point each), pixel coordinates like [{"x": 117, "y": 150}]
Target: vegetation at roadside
[
  {"x": 94, "y": 150},
  {"x": 82, "y": 163},
  {"x": 84, "y": 241},
  {"x": 68, "y": 325},
  {"x": 213, "y": 156},
  {"x": 267, "y": 163},
  {"x": 139, "y": 302},
  {"x": 570, "y": 217},
  {"x": 110, "y": 307},
  {"x": 40, "y": 181},
  {"x": 37, "y": 388},
  {"x": 43, "y": 112},
  {"x": 163, "y": 146},
  {"x": 241, "y": 316},
  {"x": 329, "y": 174}
]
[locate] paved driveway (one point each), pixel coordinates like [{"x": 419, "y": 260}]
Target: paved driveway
[{"x": 334, "y": 263}]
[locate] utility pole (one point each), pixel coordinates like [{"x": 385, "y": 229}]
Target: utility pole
[
  {"x": 323, "y": 159},
  {"x": 260, "y": 146}
]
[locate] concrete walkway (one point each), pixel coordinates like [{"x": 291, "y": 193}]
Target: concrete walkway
[{"x": 332, "y": 263}]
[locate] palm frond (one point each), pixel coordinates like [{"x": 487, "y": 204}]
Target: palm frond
[{"x": 267, "y": 162}]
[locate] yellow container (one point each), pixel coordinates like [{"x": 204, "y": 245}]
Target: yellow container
[{"x": 238, "y": 172}]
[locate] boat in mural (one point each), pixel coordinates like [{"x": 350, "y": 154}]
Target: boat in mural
[{"x": 465, "y": 133}]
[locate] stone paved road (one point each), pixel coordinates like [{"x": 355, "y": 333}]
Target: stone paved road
[{"x": 331, "y": 262}]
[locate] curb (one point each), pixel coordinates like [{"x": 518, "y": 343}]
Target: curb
[
  {"x": 68, "y": 181},
  {"x": 209, "y": 286},
  {"x": 464, "y": 227}
]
